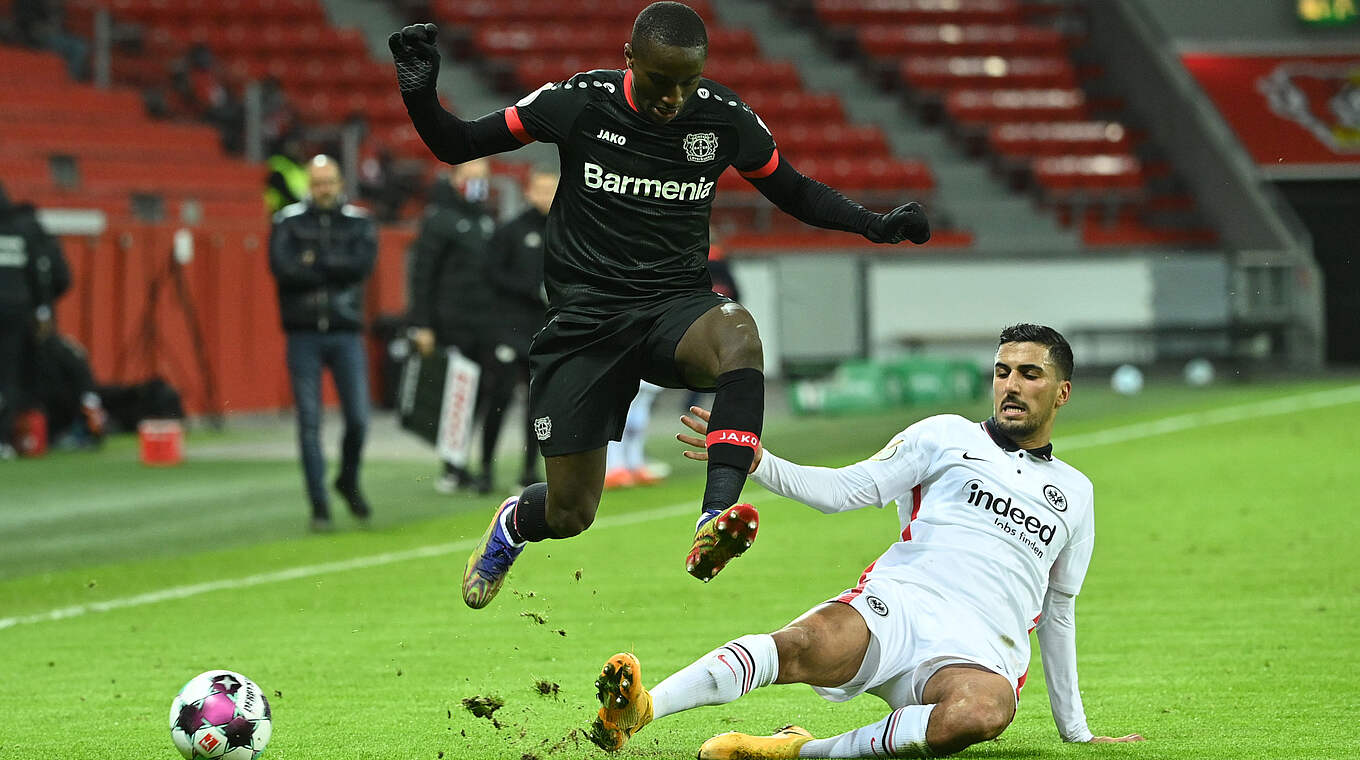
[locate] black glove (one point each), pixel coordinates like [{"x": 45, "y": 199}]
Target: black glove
[
  {"x": 902, "y": 223},
  {"x": 416, "y": 57}
]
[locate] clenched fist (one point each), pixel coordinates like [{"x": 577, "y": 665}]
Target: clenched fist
[
  {"x": 902, "y": 223},
  {"x": 416, "y": 56}
]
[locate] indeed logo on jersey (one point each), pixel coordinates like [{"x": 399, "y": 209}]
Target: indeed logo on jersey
[
  {"x": 977, "y": 496},
  {"x": 598, "y": 179}
]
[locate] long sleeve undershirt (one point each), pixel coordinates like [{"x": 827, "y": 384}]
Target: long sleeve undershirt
[{"x": 453, "y": 141}]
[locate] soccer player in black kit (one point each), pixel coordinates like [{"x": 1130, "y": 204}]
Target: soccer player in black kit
[{"x": 625, "y": 269}]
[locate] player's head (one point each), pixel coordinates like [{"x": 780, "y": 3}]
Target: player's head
[
  {"x": 324, "y": 181},
  {"x": 472, "y": 179},
  {"x": 1032, "y": 379},
  {"x": 666, "y": 54},
  {"x": 540, "y": 189}
]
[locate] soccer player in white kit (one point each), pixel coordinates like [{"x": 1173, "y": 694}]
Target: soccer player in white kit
[{"x": 996, "y": 536}]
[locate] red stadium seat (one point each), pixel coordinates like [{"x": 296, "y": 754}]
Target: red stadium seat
[
  {"x": 966, "y": 106},
  {"x": 619, "y": 13},
  {"x": 1068, "y": 174},
  {"x": 43, "y": 102},
  {"x": 952, "y": 39},
  {"x": 982, "y": 72},
  {"x": 917, "y": 11},
  {"x": 1021, "y": 139}
]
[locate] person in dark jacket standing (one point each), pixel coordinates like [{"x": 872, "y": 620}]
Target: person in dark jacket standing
[
  {"x": 515, "y": 272},
  {"x": 450, "y": 302},
  {"x": 33, "y": 273},
  {"x": 321, "y": 250}
]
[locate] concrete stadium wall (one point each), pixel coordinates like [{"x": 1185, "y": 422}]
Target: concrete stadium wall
[{"x": 835, "y": 306}]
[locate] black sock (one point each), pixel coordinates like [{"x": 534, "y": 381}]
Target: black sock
[
  {"x": 529, "y": 520},
  {"x": 724, "y": 486},
  {"x": 733, "y": 434}
]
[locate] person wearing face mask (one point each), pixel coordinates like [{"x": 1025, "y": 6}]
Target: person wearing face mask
[
  {"x": 625, "y": 267},
  {"x": 450, "y": 304},
  {"x": 321, "y": 251}
]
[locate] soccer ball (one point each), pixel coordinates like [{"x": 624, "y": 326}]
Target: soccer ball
[{"x": 220, "y": 714}]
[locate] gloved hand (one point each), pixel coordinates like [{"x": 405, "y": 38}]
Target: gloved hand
[
  {"x": 902, "y": 223},
  {"x": 416, "y": 56}
]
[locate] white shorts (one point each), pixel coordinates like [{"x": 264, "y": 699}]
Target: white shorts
[{"x": 913, "y": 633}]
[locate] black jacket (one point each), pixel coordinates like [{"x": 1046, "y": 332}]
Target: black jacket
[
  {"x": 33, "y": 270},
  {"x": 515, "y": 271},
  {"x": 320, "y": 260},
  {"x": 448, "y": 288}
]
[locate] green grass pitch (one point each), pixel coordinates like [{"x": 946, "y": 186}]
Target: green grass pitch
[{"x": 1219, "y": 618}]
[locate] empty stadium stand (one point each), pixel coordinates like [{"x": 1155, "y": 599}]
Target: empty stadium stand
[
  {"x": 1012, "y": 84},
  {"x": 70, "y": 145}
]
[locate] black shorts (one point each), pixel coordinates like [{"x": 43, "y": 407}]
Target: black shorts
[{"x": 584, "y": 369}]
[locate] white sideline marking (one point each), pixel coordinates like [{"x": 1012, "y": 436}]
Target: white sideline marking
[
  {"x": 1222, "y": 415},
  {"x": 1237, "y": 413},
  {"x": 308, "y": 571}
]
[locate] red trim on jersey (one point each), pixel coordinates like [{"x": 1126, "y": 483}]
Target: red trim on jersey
[
  {"x": 1020, "y": 683},
  {"x": 1035, "y": 624},
  {"x": 516, "y": 126},
  {"x": 915, "y": 510},
  {"x": 765, "y": 170},
  {"x": 733, "y": 437},
  {"x": 859, "y": 589},
  {"x": 628, "y": 89}
]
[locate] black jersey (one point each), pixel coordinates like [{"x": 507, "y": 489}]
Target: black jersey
[{"x": 630, "y": 221}]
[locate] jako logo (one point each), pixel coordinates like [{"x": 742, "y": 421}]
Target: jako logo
[
  {"x": 599, "y": 179},
  {"x": 608, "y": 136},
  {"x": 734, "y": 437},
  {"x": 998, "y": 505}
]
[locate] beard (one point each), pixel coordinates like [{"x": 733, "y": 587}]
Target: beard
[{"x": 1018, "y": 429}]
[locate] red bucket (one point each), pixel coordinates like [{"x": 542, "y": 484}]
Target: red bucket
[
  {"x": 162, "y": 442},
  {"x": 30, "y": 433}
]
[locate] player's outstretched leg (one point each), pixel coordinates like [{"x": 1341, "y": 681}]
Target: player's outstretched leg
[
  {"x": 785, "y": 743},
  {"x": 721, "y": 536},
  {"x": 490, "y": 562},
  {"x": 731, "y": 442},
  {"x": 625, "y": 704}
]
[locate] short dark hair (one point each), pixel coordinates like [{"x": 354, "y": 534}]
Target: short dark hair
[
  {"x": 670, "y": 23},
  {"x": 1058, "y": 349}
]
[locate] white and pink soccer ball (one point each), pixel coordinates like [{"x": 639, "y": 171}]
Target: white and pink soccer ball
[{"x": 220, "y": 714}]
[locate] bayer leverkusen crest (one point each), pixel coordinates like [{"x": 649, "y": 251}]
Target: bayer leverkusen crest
[
  {"x": 701, "y": 147},
  {"x": 1323, "y": 98}
]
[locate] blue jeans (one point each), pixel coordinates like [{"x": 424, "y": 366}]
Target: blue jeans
[{"x": 343, "y": 353}]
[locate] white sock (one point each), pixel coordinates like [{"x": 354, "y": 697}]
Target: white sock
[
  {"x": 901, "y": 734},
  {"x": 614, "y": 457},
  {"x": 720, "y": 676},
  {"x": 635, "y": 426}
]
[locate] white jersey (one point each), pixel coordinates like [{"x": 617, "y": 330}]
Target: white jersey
[{"x": 983, "y": 523}]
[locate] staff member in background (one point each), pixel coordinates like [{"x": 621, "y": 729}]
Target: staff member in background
[
  {"x": 33, "y": 273},
  {"x": 450, "y": 300},
  {"x": 515, "y": 272},
  {"x": 321, "y": 250}
]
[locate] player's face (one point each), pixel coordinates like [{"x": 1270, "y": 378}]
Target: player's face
[
  {"x": 1027, "y": 390},
  {"x": 664, "y": 77}
]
